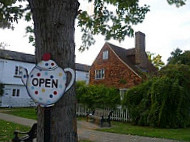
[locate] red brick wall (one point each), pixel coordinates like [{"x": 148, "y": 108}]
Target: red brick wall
[{"x": 117, "y": 74}]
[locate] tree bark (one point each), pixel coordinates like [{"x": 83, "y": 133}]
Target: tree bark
[{"x": 54, "y": 22}]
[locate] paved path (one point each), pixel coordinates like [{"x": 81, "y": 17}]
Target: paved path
[{"x": 86, "y": 131}]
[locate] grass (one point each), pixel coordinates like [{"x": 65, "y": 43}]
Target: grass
[
  {"x": 29, "y": 113},
  {"x": 117, "y": 127},
  {"x": 7, "y": 129},
  {"x": 127, "y": 128}
]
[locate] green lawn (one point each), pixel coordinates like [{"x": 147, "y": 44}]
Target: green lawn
[
  {"x": 22, "y": 112},
  {"x": 7, "y": 129},
  {"x": 127, "y": 128},
  {"x": 118, "y": 127}
]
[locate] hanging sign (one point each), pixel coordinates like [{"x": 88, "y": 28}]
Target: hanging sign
[{"x": 46, "y": 83}]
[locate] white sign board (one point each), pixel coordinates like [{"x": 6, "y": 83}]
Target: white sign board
[{"x": 46, "y": 83}]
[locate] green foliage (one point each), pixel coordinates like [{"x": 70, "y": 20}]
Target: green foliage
[
  {"x": 178, "y": 3},
  {"x": 10, "y": 12},
  {"x": 177, "y": 57},
  {"x": 97, "y": 96},
  {"x": 115, "y": 22},
  {"x": 1, "y": 89},
  {"x": 155, "y": 60},
  {"x": 7, "y": 129},
  {"x": 162, "y": 101},
  {"x": 111, "y": 18},
  {"x": 137, "y": 101}
]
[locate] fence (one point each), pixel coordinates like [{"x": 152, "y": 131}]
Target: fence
[{"x": 118, "y": 115}]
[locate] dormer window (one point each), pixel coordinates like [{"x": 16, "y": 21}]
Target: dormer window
[{"x": 105, "y": 55}]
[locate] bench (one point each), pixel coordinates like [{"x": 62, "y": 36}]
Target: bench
[
  {"x": 29, "y": 136},
  {"x": 100, "y": 116}
]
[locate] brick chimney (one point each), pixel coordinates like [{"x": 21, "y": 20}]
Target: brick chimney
[{"x": 140, "y": 55}]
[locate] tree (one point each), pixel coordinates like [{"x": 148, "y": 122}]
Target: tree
[
  {"x": 177, "y": 57},
  {"x": 155, "y": 60},
  {"x": 54, "y": 33},
  {"x": 174, "y": 54},
  {"x": 162, "y": 101}
]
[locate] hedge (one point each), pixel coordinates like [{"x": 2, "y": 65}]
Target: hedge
[{"x": 97, "y": 96}]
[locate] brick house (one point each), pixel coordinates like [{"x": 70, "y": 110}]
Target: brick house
[{"x": 119, "y": 67}]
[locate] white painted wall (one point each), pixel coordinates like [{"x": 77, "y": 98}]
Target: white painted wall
[
  {"x": 82, "y": 76},
  {"x": 22, "y": 100},
  {"x": 8, "y": 71}
]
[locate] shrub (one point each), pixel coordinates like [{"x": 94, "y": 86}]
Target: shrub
[
  {"x": 162, "y": 101},
  {"x": 97, "y": 96}
]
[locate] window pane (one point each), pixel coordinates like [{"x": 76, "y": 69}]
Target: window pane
[
  {"x": 105, "y": 55},
  {"x": 16, "y": 70},
  {"x": 14, "y": 91},
  {"x": 18, "y": 92}
]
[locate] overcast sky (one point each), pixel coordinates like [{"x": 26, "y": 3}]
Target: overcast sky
[{"x": 166, "y": 28}]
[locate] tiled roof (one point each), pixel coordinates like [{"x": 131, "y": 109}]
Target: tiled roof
[
  {"x": 122, "y": 53},
  {"x": 126, "y": 54},
  {"x": 82, "y": 67},
  {"x": 17, "y": 56},
  {"x": 23, "y": 57}
]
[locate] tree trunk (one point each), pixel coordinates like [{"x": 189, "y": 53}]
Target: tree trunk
[{"x": 54, "y": 22}]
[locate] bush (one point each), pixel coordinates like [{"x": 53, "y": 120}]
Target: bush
[
  {"x": 97, "y": 96},
  {"x": 162, "y": 101}
]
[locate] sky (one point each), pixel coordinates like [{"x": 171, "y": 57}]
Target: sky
[{"x": 166, "y": 28}]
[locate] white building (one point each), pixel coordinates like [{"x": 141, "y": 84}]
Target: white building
[{"x": 15, "y": 93}]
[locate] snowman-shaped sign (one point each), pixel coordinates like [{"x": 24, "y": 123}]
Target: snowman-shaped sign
[{"x": 46, "y": 83}]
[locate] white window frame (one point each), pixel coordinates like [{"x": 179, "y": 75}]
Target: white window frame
[
  {"x": 100, "y": 74},
  {"x": 122, "y": 93},
  {"x": 105, "y": 55}
]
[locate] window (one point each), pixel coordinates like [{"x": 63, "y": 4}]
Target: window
[
  {"x": 16, "y": 92},
  {"x": 99, "y": 74},
  {"x": 105, "y": 55},
  {"x": 17, "y": 71},
  {"x": 122, "y": 93},
  {"x": 87, "y": 75}
]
